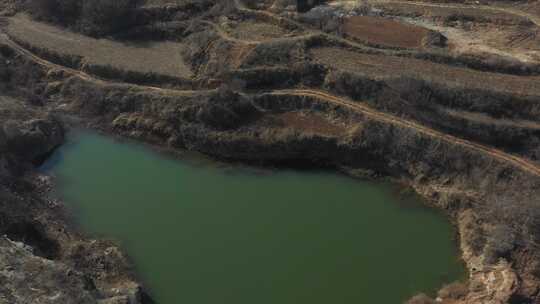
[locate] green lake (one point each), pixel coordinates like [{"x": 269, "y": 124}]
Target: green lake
[{"x": 201, "y": 232}]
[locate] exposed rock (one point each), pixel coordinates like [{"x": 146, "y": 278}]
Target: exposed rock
[
  {"x": 42, "y": 258},
  {"x": 434, "y": 39},
  {"x": 27, "y": 278}
]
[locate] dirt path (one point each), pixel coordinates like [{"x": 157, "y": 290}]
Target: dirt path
[
  {"x": 391, "y": 119},
  {"x": 82, "y": 75},
  {"x": 361, "y": 108}
]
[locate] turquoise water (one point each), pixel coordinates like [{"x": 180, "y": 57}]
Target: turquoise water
[{"x": 202, "y": 233}]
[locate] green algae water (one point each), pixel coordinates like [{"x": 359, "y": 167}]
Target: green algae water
[{"x": 200, "y": 233}]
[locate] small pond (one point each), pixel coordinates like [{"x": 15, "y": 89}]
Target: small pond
[{"x": 206, "y": 233}]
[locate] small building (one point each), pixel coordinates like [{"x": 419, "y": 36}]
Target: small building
[{"x": 303, "y": 6}]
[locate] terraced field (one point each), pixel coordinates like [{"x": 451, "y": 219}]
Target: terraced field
[
  {"x": 153, "y": 57},
  {"x": 503, "y": 29},
  {"x": 449, "y": 12},
  {"x": 388, "y": 66},
  {"x": 385, "y": 32}
]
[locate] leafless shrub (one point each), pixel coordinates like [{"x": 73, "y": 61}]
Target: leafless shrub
[{"x": 501, "y": 241}]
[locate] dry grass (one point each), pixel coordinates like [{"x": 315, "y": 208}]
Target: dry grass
[
  {"x": 309, "y": 123},
  {"x": 389, "y": 66},
  {"x": 488, "y": 120},
  {"x": 257, "y": 31},
  {"x": 385, "y": 32},
  {"x": 162, "y": 58}
]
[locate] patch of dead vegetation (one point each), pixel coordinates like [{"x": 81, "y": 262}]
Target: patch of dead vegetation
[{"x": 309, "y": 123}]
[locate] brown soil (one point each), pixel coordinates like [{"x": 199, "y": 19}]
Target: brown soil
[
  {"x": 385, "y": 32},
  {"x": 309, "y": 123},
  {"x": 390, "y": 66}
]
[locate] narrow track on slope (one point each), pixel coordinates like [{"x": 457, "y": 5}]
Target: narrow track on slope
[
  {"x": 516, "y": 161},
  {"x": 394, "y": 120},
  {"x": 82, "y": 75}
]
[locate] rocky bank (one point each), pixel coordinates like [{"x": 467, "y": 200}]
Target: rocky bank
[{"x": 43, "y": 258}]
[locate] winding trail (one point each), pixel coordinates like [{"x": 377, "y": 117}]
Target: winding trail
[
  {"x": 82, "y": 75},
  {"x": 516, "y": 161}
]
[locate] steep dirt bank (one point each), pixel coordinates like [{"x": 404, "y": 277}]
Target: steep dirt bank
[{"x": 44, "y": 260}]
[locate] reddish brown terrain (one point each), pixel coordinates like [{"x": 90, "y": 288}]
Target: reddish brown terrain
[{"x": 385, "y": 32}]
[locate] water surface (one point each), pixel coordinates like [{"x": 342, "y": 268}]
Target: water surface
[{"x": 206, "y": 234}]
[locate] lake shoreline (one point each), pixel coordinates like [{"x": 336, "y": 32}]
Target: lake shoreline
[{"x": 116, "y": 156}]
